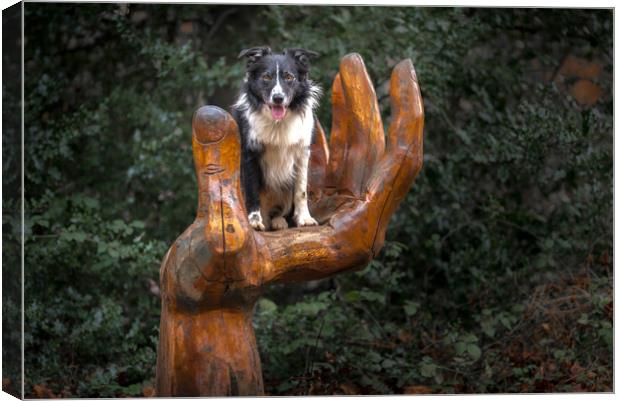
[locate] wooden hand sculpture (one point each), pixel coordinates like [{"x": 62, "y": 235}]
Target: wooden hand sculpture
[{"x": 213, "y": 274}]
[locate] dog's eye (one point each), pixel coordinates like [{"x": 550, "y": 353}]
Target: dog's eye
[
  {"x": 266, "y": 77},
  {"x": 289, "y": 77}
]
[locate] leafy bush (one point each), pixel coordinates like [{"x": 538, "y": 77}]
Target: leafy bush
[{"x": 496, "y": 274}]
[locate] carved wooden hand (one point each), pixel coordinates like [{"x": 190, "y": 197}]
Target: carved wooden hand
[{"x": 215, "y": 271}]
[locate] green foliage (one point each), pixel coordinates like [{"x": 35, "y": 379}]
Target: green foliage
[{"x": 496, "y": 273}]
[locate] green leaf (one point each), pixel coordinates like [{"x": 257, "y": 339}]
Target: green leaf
[
  {"x": 474, "y": 351},
  {"x": 460, "y": 348},
  {"x": 76, "y": 236},
  {"x": 469, "y": 338},
  {"x": 91, "y": 203},
  {"x": 352, "y": 296},
  {"x": 311, "y": 308},
  {"x": 488, "y": 327},
  {"x": 505, "y": 320},
  {"x": 266, "y": 305},
  {"x": 463, "y": 135},
  {"x": 365, "y": 295},
  {"x": 372, "y": 296},
  {"x": 388, "y": 363},
  {"x": 428, "y": 369},
  {"x": 138, "y": 224},
  {"x": 411, "y": 308},
  {"x": 606, "y": 333}
]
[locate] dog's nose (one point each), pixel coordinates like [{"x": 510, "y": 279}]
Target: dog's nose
[{"x": 278, "y": 98}]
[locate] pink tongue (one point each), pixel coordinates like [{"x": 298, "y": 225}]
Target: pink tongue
[{"x": 277, "y": 112}]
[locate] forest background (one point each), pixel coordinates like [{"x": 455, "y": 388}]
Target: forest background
[{"x": 496, "y": 275}]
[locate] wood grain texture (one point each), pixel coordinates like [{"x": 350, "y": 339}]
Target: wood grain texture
[
  {"x": 317, "y": 167},
  {"x": 215, "y": 271}
]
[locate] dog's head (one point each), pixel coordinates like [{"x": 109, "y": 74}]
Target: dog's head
[{"x": 277, "y": 79}]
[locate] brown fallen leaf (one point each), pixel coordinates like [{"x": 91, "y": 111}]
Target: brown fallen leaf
[
  {"x": 187, "y": 27},
  {"x": 574, "y": 67},
  {"x": 42, "y": 391},
  {"x": 604, "y": 258},
  {"x": 609, "y": 310},
  {"x": 148, "y": 391},
  {"x": 349, "y": 389},
  {"x": 418, "y": 390},
  {"x": 576, "y": 369},
  {"x": 585, "y": 92},
  {"x": 404, "y": 336}
]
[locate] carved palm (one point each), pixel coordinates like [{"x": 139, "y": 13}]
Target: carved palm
[{"x": 215, "y": 271}]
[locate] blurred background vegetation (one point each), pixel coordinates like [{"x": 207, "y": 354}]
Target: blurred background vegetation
[{"x": 496, "y": 275}]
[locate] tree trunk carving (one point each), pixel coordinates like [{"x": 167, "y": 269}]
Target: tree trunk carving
[{"x": 213, "y": 274}]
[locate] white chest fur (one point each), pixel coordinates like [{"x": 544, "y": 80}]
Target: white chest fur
[
  {"x": 284, "y": 143},
  {"x": 279, "y": 163}
]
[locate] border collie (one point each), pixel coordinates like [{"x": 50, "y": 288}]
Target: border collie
[{"x": 275, "y": 115}]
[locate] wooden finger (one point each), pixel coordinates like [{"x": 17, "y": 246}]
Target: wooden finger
[
  {"x": 216, "y": 148},
  {"x": 338, "y": 139},
  {"x": 402, "y": 160},
  {"x": 405, "y": 131},
  {"x": 319, "y": 158},
  {"x": 364, "y": 139}
]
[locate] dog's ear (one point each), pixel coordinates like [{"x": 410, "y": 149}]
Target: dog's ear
[
  {"x": 254, "y": 54},
  {"x": 302, "y": 58}
]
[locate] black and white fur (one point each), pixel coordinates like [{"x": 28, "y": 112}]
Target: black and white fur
[{"x": 275, "y": 115}]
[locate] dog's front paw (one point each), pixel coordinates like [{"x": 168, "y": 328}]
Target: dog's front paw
[
  {"x": 305, "y": 220},
  {"x": 279, "y": 223},
  {"x": 256, "y": 221}
]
